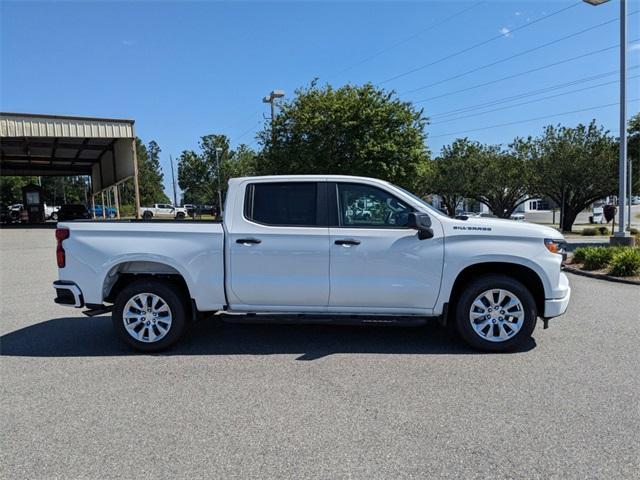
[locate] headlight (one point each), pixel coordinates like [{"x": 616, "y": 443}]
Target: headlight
[{"x": 556, "y": 246}]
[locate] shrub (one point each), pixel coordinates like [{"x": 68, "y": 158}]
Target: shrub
[
  {"x": 127, "y": 210},
  {"x": 602, "y": 230},
  {"x": 589, "y": 232},
  {"x": 597, "y": 258},
  {"x": 634, "y": 231},
  {"x": 579, "y": 254},
  {"x": 625, "y": 262}
]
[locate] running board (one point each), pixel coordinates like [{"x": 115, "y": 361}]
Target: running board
[
  {"x": 324, "y": 319},
  {"x": 98, "y": 309}
]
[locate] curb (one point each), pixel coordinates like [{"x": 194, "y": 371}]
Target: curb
[{"x": 599, "y": 276}]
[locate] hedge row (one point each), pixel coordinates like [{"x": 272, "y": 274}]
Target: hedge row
[{"x": 620, "y": 261}]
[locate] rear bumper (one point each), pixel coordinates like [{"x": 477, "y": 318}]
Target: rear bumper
[
  {"x": 555, "y": 307},
  {"x": 68, "y": 293}
]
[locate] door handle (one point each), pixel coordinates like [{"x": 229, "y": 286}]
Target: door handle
[
  {"x": 347, "y": 243},
  {"x": 248, "y": 241}
]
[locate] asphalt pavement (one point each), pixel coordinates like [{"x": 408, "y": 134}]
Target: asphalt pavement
[{"x": 277, "y": 401}]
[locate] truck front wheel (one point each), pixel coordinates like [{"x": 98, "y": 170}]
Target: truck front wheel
[
  {"x": 495, "y": 313},
  {"x": 150, "y": 315}
]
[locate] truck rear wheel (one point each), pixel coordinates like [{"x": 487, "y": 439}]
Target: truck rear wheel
[
  {"x": 150, "y": 315},
  {"x": 495, "y": 313},
  {"x": 147, "y": 215}
]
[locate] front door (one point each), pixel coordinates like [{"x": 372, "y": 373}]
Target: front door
[
  {"x": 279, "y": 248},
  {"x": 377, "y": 264}
]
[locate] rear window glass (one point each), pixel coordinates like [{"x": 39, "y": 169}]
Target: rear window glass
[{"x": 290, "y": 203}]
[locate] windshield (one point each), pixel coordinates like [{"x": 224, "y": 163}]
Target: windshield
[{"x": 420, "y": 200}]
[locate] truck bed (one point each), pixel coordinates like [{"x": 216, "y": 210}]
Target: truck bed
[{"x": 98, "y": 251}]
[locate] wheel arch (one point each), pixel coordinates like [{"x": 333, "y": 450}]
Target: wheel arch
[
  {"x": 522, "y": 273},
  {"x": 124, "y": 272}
]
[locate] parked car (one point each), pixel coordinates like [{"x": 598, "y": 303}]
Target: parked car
[
  {"x": 190, "y": 208},
  {"x": 163, "y": 210},
  {"x": 51, "y": 212},
  {"x": 109, "y": 212},
  {"x": 207, "y": 210},
  {"x": 518, "y": 217},
  {"x": 287, "y": 245},
  {"x": 73, "y": 212},
  {"x": 9, "y": 215},
  {"x": 635, "y": 200}
]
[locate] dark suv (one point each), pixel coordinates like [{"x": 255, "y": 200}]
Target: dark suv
[{"x": 73, "y": 212}]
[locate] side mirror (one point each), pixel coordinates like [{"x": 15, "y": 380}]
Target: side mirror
[{"x": 422, "y": 223}]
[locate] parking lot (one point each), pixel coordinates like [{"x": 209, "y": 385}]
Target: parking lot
[{"x": 276, "y": 401}]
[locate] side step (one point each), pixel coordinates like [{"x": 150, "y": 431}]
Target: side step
[
  {"x": 97, "y": 309},
  {"x": 322, "y": 319}
]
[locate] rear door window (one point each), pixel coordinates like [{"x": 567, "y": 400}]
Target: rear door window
[{"x": 283, "y": 204}]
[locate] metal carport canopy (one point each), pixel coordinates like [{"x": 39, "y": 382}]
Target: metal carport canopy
[{"x": 60, "y": 145}]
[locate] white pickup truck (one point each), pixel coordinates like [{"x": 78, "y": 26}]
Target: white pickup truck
[
  {"x": 163, "y": 210},
  {"x": 289, "y": 245}
]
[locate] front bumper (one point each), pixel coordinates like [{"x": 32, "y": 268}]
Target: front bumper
[
  {"x": 555, "y": 307},
  {"x": 68, "y": 293}
]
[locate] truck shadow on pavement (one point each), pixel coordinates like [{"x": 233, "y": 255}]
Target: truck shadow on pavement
[{"x": 91, "y": 337}]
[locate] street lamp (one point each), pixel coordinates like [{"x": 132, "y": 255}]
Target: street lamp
[
  {"x": 271, "y": 98},
  {"x": 621, "y": 236}
]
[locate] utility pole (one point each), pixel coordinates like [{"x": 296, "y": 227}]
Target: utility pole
[
  {"x": 173, "y": 181},
  {"x": 218, "y": 151},
  {"x": 271, "y": 99}
]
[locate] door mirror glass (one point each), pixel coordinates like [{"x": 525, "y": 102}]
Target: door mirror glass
[{"x": 422, "y": 223}]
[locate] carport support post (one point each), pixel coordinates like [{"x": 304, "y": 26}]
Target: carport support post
[
  {"x": 104, "y": 213},
  {"x": 136, "y": 186},
  {"x": 93, "y": 206},
  {"x": 116, "y": 200}
]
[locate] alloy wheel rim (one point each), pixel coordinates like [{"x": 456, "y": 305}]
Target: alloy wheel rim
[
  {"x": 496, "y": 315},
  {"x": 147, "y": 317}
]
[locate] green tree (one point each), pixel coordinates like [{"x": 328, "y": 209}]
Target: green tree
[
  {"x": 150, "y": 176},
  {"x": 11, "y": 188},
  {"x": 453, "y": 174},
  {"x": 198, "y": 172},
  {"x": 354, "y": 130},
  {"x": 500, "y": 180},
  {"x": 572, "y": 166}
]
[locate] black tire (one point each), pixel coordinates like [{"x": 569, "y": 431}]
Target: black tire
[
  {"x": 180, "y": 215},
  {"x": 169, "y": 293},
  {"x": 54, "y": 216},
  {"x": 147, "y": 215},
  {"x": 472, "y": 291}
]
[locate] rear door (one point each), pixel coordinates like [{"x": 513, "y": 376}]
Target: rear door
[
  {"x": 377, "y": 263},
  {"x": 279, "y": 247}
]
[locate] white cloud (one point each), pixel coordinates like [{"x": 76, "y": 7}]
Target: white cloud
[
  {"x": 517, "y": 14},
  {"x": 505, "y": 31},
  {"x": 128, "y": 43},
  {"x": 634, "y": 46}
]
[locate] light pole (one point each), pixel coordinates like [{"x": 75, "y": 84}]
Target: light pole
[
  {"x": 173, "y": 183},
  {"x": 621, "y": 237},
  {"x": 271, "y": 98},
  {"x": 218, "y": 152}
]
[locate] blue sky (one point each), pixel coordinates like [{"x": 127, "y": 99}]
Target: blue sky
[{"x": 184, "y": 69}]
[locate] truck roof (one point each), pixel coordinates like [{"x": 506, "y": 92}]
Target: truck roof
[{"x": 328, "y": 177}]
